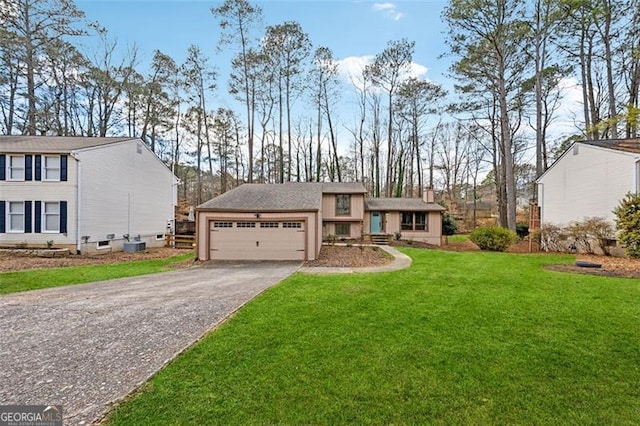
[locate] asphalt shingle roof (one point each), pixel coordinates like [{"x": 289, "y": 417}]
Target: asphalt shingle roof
[
  {"x": 400, "y": 204},
  {"x": 626, "y": 145},
  {"x": 52, "y": 144},
  {"x": 268, "y": 197}
]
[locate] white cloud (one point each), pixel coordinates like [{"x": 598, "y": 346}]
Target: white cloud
[
  {"x": 389, "y": 9},
  {"x": 351, "y": 67}
]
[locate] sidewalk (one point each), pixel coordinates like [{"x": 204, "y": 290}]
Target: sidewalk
[{"x": 400, "y": 261}]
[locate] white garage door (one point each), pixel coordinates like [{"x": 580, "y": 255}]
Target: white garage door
[{"x": 246, "y": 240}]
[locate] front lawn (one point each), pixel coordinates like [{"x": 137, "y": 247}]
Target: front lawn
[
  {"x": 12, "y": 282},
  {"x": 459, "y": 338}
]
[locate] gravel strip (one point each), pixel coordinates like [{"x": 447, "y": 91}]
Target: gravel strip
[{"x": 86, "y": 346}]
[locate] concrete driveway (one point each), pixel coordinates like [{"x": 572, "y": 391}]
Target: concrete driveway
[{"x": 87, "y": 345}]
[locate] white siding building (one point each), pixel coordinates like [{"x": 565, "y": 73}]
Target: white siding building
[
  {"x": 589, "y": 180},
  {"x": 86, "y": 194}
]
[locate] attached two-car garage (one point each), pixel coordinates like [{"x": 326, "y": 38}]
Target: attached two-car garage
[
  {"x": 257, "y": 240},
  {"x": 261, "y": 222}
]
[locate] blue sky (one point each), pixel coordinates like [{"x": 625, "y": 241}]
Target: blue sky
[{"x": 352, "y": 29}]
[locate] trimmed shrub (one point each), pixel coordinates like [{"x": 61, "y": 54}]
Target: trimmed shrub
[
  {"x": 493, "y": 238},
  {"x": 628, "y": 223}
]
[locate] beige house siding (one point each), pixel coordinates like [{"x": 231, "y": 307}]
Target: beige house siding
[
  {"x": 391, "y": 225},
  {"x": 311, "y": 220},
  {"x": 329, "y": 228},
  {"x": 329, "y": 208}
]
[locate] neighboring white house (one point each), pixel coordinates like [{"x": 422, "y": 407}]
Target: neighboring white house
[
  {"x": 589, "y": 180},
  {"x": 85, "y": 194}
]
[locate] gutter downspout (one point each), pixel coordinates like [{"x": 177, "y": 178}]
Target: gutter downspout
[{"x": 75, "y": 156}]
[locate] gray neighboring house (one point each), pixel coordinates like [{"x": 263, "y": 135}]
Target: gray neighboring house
[
  {"x": 85, "y": 194},
  {"x": 289, "y": 221}
]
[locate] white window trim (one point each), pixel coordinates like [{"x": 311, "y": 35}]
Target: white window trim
[
  {"x": 43, "y": 219},
  {"x": 9, "y": 168},
  {"x": 44, "y": 168},
  {"x": 8, "y": 218}
]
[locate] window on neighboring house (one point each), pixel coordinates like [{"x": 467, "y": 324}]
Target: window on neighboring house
[
  {"x": 343, "y": 205},
  {"x": 51, "y": 167},
  {"x": 343, "y": 229},
  {"x": 15, "y": 217},
  {"x": 15, "y": 167},
  {"x": 414, "y": 221},
  {"x": 406, "y": 223},
  {"x": 51, "y": 216}
]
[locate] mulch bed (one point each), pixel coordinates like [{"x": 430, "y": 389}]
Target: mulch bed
[
  {"x": 350, "y": 257},
  {"x": 10, "y": 262}
]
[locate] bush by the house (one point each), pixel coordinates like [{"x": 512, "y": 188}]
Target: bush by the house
[
  {"x": 493, "y": 238},
  {"x": 522, "y": 229},
  {"x": 583, "y": 236},
  {"x": 449, "y": 225},
  {"x": 628, "y": 223}
]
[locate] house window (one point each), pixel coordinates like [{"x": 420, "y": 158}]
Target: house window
[
  {"x": 343, "y": 205},
  {"x": 414, "y": 221},
  {"x": 51, "y": 216},
  {"x": 407, "y": 221},
  {"x": 268, "y": 224},
  {"x": 15, "y": 216},
  {"x": 15, "y": 167},
  {"x": 292, "y": 225},
  {"x": 246, "y": 225},
  {"x": 105, "y": 244},
  {"x": 51, "y": 167},
  {"x": 343, "y": 229},
  {"x": 420, "y": 221}
]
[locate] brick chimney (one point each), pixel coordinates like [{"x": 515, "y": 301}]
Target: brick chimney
[{"x": 428, "y": 196}]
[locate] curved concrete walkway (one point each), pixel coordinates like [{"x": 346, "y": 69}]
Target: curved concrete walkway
[{"x": 400, "y": 261}]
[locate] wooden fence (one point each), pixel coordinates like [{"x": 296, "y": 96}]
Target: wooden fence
[{"x": 180, "y": 241}]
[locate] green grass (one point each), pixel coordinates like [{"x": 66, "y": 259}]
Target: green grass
[
  {"x": 458, "y": 238},
  {"x": 12, "y": 282},
  {"x": 459, "y": 338}
]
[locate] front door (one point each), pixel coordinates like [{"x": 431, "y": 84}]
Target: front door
[{"x": 376, "y": 223}]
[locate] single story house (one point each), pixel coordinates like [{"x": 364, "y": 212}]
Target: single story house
[
  {"x": 289, "y": 221},
  {"x": 589, "y": 180},
  {"x": 85, "y": 194}
]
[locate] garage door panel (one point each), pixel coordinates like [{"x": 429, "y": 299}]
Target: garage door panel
[{"x": 272, "y": 241}]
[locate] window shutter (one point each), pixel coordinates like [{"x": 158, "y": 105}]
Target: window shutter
[
  {"x": 63, "y": 169},
  {"x": 38, "y": 228},
  {"x": 3, "y": 215},
  {"x": 27, "y": 217},
  {"x": 28, "y": 167},
  {"x": 3, "y": 166},
  {"x": 63, "y": 217},
  {"x": 38, "y": 167}
]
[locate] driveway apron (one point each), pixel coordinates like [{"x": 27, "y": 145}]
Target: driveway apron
[{"x": 85, "y": 346}]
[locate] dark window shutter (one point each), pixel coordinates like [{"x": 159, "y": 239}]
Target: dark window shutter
[
  {"x": 63, "y": 217},
  {"x": 28, "y": 167},
  {"x": 63, "y": 169},
  {"x": 3, "y": 166},
  {"x": 38, "y": 167},
  {"x": 3, "y": 215},
  {"x": 27, "y": 217},
  {"x": 38, "y": 228}
]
